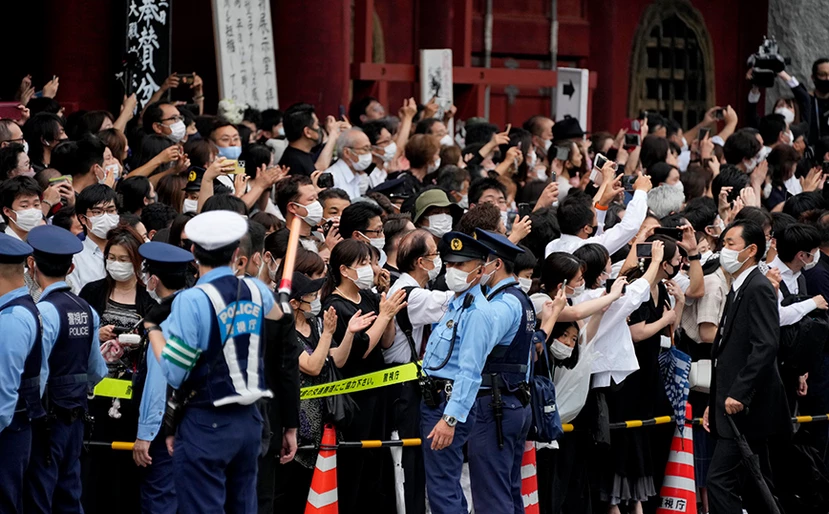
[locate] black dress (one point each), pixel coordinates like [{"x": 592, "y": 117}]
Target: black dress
[{"x": 637, "y": 397}]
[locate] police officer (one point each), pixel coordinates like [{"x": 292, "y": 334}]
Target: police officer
[
  {"x": 496, "y": 444},
  {"x": 165, "y": 274},
  {"x": 210, "y": 351},
  {"x": 455, "y": 355},
  {"x": 72, "y": 366},
  {"x": 20, "y": 361}
]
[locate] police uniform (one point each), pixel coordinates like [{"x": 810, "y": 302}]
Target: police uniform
[
  {"x": 20, "y": 362},
  {"x": 213, "y": 357},
  {"x": 72, "y": 365},
  {"x": 495, "y": 452},
  {"x": 157, "y": 488},
  {"x": 455, "y": 354}
]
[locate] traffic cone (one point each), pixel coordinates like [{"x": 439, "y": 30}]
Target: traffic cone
[
  {"x": 679, "y": 490},
  {"x": 322, "y": 497},
  {"x": 529, "y": 481}
]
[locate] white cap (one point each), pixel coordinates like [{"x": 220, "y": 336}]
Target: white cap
[
  {"x": 538, "y": 299},
  {"x": 216, "y": 229}
]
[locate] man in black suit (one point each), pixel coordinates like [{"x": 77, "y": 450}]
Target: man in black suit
[{"x": 746, "y": 383}]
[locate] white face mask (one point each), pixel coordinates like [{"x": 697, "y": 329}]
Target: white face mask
[
  {"x": 684, "y": 147},
  {"x": 177, "y": 131},
  {"x": 787, "y": 114},
  {"x": 811, "y": 264},
  {"x": 389, "y": 152},
  {"x": 729, "y": 260},
  {"x": 434, "y": 166},
  {"x": 767, "y": 190},
  {"x": 791, "y": 137},
  {"x": 377, "y": 242},
  {"x": 365, "y": 277},
  {"x": 363, "y": 162},
  {"x": 314, "y": 210},
  {"x": 560, "y": 350},
  {"x": 531, "y": 159},
  {"x": 316, "y": 307},
  {"x": 751, "y": 164},
  {"x": 456, "y": 279},
  {"x": 464, "y": 203},
  {"x": 439, "y": 224},
  {"x": 434, "y": 272},
  {"x": 190, "y": 206},
  {"x": 525, "y": 284},
  {"x": 103, "y": 223},
  {"x": 145, "y": 278},
  {"x": 705, "y": 257},
  {"x": 114, "y": 170},
  {"x": 505, "y": 219},
  {"x": 28, "y": 219},
  {"x": 120, "y": 271},
  {"x": 280, "y": 132},
  {"x": 26, "y": 147},
  {"x": 486, "y": 276},
  {"x": 446, "y": 140},
  {"x": 547, "y": 144},
  {"x": 577, "y": 291}
]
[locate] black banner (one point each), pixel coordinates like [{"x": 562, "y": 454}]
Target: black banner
[{"x": 148, "y": 47}]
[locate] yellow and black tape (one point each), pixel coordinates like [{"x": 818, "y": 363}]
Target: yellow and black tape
[{"x": 395, "y": 375}]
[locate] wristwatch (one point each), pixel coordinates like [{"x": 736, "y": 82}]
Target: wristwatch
[
  {"x": 697, "y": 257},
  {"x": 450, "y": 420},
  {"x": 152, "y": 328}
]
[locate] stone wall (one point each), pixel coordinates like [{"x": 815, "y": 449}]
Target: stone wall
[{"x": 801, "y": 28}]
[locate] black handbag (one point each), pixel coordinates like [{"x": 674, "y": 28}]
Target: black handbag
[{"x": 339, "y": 409}]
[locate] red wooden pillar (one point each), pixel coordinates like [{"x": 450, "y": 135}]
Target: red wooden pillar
[{"x": 469, "y": 98}]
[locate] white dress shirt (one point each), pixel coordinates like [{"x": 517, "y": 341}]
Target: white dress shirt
[
  {"x": 345, "y": 179},
  {"x": 425, "y": 308},
  {"x": 89, "y": 266},
  {"x": 613, "y": 239},
  {"x": 791, "y": 314},
  {"x": 738, "y": 282},
  {"x": 793, "y": 185},
  {"x": 10, "y": 232}
]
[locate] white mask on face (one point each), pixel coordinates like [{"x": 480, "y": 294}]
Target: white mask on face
[
  {"x": 103, "y": 223},
  {"x": 377, "y": 242},
  {"x": 363, "y": 162},
  {"x": 28, "y": 219},
  {"x": 113, "y": 169},
  {"x": 787, "y": 114},
  {"x": 190, "y": 206},
  {"x": 811, "y": 264},
  {"x": 751, "y": 164},
  {"x": 145, "y": 278},
  {"x": 456, "y": 279},
  {"x": 768, "y": 247},
  {"x": 389, "y": 152},
  {"x": 505, "y": 219},
  {"x": 684, "y": 147},
  {"x": 729, "y": 260},
  {"x": 446, "y": 140},
  {"x": 434, "y": 166},
  {"x": 577, "y": 291},
  {"x": 525, "y": 284},
  {"x": 486, "y": 276},
  {"x": 365, "y": 277},
  {"x": 439, "y": 224},
  {"x": 705, "y": 257},
  {"x": 120, "y": 271},
  {"x": 316, "y": 307},
  {"x": 177, "y": 131},
  {"x": 314, "y": 210},
  {"x": 434, "y": 272},
  {"x": 767, "y": 190},
  {"x": 26, "y": 147},
  {"x": 532, "y": 158},
  {"x": 547, "y": 144},
  {"x": 560, "y": 350},
  {"x": 790, "y": 136},
  {"x": 464, "y": 203}
]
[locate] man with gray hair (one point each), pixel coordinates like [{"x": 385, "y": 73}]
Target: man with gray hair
[
  {"x": 10, "y": 132},
  {"x": 665, "y": 200},
  {"x": 352, "y": 171}
]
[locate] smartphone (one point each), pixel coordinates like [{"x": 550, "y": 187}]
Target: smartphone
[
  {"x": 325, "y": 180},
  {"x": 628, "y": 181},
  {"x": 562, "y": 153},
  {"x": 643, "y": 115},
  {"x": 643, "y": 250},
  {"x": 341, "y": 112},
  {"x": 524, "y": 209},
  {"x": 326, "y": 227},
  {"x": 719, "y": 114},
  {"x": 612, "y": 153},
  {"x": 703, "y": 133},
  {"x": 609, "y": 285},
  {"x": 62, "y": 178},
  {"x": 674, "y": 233},
  {"x": 825, "y": 166},
  {"x": 632, "y": 139},
  {"x": 553, "y": 176},
  {"x": 238, "y": 168},
  {"x": 186, "y": 78}
]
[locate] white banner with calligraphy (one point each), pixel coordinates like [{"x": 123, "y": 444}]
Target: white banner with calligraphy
[
  {"x": 148, "y": 42},
  {"x": 245, "y": 52}
]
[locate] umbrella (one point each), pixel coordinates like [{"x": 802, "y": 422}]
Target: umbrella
[
  {"x": 675, "y": 366},
  {"x": 752, "y": 463}
]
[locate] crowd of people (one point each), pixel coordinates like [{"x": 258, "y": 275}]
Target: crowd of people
[{"x": 150, "y": 243}]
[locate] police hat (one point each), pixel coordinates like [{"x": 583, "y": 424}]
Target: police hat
[
  {"x": 302, "y": 284},
  {"x": 215, "y": 229},
  {"x": 165, "y": 258},
  {"x": 13, "y": 250},
  {"x": 51, "y": 240},
  {"x": 396, "y": 188},
  {"x": 498, "y": 244},
  {"x": 459, "y": 247},
  {"x": 194, "y": 176}
]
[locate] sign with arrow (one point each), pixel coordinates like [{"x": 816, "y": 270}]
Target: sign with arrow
[{"x": 572, "y": 94}]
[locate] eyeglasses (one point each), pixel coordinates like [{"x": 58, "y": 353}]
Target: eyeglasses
[
  {"x": 174, "y": 118},
  {"x": 362, "y": 149},
  {"x": 109, "y": 210},
  {"x": 19, "y": 140},
  {"x": 229, "y": 139},
  {"x": 378, "y": 231}
]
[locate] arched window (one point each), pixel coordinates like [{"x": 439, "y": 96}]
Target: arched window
[{"x": 672, "y": 65}]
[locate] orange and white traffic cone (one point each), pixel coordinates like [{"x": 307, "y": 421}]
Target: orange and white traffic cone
[
  {"x": 679, "y": 491},
  {"x": 529, "y": 481},
  {"x": 322, "y": 497}
]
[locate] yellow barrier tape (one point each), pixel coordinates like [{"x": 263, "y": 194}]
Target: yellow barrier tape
[
  {"x": 396, "y": 375},
  {"x": 114, "y": 388}
]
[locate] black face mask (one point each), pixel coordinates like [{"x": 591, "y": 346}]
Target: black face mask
[
  {"x": 593, "y": 230},
  {"x": 822, "y": 85},
  {"x": 673, "y": 273}
]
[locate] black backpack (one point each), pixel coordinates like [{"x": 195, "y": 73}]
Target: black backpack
[{"x": 801, "y": 344}]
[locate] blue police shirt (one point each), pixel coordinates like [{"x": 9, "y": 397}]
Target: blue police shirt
[
  {"x": 473, "y": 344},
  {"x": 97, "y": 367},
  {"x": 151, "y": 411},
  {"x": 19, "y": 331},
  {"x": 509, "y": 309},
  {"x": 189, "y": 323}
]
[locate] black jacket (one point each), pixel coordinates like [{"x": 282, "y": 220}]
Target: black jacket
[
  {"x": 96, "y": 295},
  {"x": 745, "y": 363}
]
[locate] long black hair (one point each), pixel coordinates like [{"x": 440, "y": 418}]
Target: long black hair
[
  {"x": 558, "y": 267},
  {"x": 595, "y": 259},
  {"x": 346, "y": 253}
]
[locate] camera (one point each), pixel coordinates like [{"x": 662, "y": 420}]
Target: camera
[
  {"x": 325, "y": 180},
  {"x": 767, "y": 63}
]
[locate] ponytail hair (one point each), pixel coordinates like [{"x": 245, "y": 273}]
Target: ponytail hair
[{"x": 346, "y": 253}]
